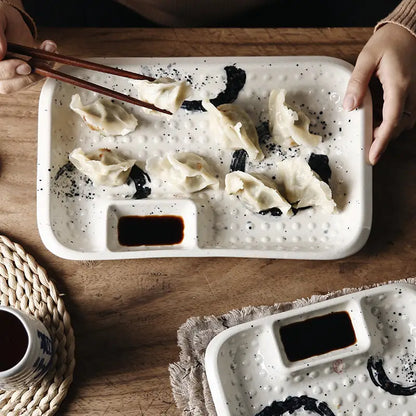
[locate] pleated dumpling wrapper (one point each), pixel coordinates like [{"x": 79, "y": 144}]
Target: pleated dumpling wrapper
[
  {"x": 302, "y": 187},
  {"x": 104, "y": 116},
  {"x": 234, "y": 128},
  {"x": 102, "y": 166},
  {"x": 258, "y": 193},
  {"x": 164, "y": 93},
  {"x": 289, "y": 127},
  {"x": 185, "y": 171}
]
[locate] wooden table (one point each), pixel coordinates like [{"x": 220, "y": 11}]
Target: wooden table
[{"x": 125, "y": 313}]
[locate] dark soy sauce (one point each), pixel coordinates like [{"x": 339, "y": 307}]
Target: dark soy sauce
[
  {"x": 150, "y": 230},
  {"x": 14, "y": 340},
  {"x": 318, "y": 335}
]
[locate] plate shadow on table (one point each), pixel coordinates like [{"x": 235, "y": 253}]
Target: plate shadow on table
[{"x": 394, "y": 202}]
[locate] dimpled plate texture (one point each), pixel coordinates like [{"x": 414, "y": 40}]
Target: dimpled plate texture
[
  {"x": 246, "y": 368},
  {"x": 73, "y": 214}
]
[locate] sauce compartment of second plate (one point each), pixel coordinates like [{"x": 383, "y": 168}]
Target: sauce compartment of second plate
[{"x": 321, "y": 335}]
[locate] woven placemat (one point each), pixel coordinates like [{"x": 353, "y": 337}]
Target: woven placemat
[
  {"x": 187, "y": 376},
  {"x": 25, "y": 285}
]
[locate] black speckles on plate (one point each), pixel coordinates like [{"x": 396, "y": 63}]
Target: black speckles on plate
[
  {"x": 68, "y": 167},
  {"x": 73, "y": 184},
  {"x": 379, "y": 378}
]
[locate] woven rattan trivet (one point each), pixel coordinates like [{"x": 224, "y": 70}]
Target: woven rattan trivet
[{"x": 25, "y": 285}]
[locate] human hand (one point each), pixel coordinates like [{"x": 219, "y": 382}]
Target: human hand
[
  {"x": 390, "y": 54},
  {"x": 15, "y": 74}
]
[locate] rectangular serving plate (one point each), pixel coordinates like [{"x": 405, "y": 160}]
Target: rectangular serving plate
[
  {"x": 73, "y": 216},
  {"x": 247, "y": 368}
]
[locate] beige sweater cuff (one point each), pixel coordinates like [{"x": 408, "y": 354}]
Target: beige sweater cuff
[
  {"x": 27, "y": 18},
  {"x": 403, "y": 15}
]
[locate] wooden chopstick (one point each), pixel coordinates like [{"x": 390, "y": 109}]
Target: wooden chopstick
[
  {"x": 46, "y": 71},
  {"x": 69, "y": 60},
  {"x": 40, "y": 68}
]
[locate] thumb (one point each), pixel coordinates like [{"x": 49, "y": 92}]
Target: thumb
[{"x": 359, "y": 80}]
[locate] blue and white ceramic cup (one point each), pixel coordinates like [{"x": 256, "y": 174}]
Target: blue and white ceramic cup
[{"x": 25, "y": 349}]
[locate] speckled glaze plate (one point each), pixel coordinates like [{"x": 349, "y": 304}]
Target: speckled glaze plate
[
  {"x": 78, "y": 221},
  {"x": 249, "y": 372}
]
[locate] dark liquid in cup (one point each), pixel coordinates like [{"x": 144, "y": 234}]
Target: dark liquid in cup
[{"x": 13, "y": 340}]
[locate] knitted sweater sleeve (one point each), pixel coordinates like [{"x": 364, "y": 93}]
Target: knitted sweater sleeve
[
  {"x": 403, "y": 15},
  {"x": 17, "y": 4}
]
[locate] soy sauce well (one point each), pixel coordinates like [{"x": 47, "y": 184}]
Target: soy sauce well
[
  {"x": 150, "y": 230},
  {"x": 317, "y": 336}
]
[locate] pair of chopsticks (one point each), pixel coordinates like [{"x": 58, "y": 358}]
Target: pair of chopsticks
[{"x": 38, "y": 59}]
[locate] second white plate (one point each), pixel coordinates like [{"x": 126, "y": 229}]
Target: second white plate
[{"x": 254, "y": 367}]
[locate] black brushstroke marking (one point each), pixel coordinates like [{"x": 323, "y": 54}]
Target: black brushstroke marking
[
  {"x": 236, "y": 79},
  {"x": 274, "y": 212},
  {"x": 380, "y": 379},
  {"x": 240, "y": 156},
  {"x": 296, "y": 210},
  {"x": 320, "y": 165},
  {"x": 293, "y": 403},
  {"x": 140, "y": 179},
  {"x": 263, "y": 132},
  {"x": 68, "y": 167},
  {"x": 238, "y": 161}
]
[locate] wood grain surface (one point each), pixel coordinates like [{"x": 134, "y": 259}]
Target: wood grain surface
[{"x": 125, "y": 314}]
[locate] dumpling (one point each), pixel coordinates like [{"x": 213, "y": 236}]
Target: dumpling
[
  {"x": 164, "y": 93},
  {"x": 258, "y": 193},
  {"x": 103, "y": 166},
  {"x": 302, "y": 187},
  {"x": 103, "y": 115},
  {"x": 186, "y": 171},
  {"x": 234, "y": 128},
  {"x": 289, "y": 127}
]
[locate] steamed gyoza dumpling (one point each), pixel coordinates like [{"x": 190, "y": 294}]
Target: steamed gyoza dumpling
[
  {"x": 234, "y": 128},
  {"x": 103, "y": 115},
  {"x": 102, "y": 166},
  {"x": 164, "y": 93},
  {"x": 289, "y": 127},
  {"x": 257, "y": 192},
  {"x": 302, "y": 186},
  {"x": 186, "y": 171}
]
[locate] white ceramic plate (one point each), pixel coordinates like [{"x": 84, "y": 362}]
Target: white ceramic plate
[
  {"x": 74, "y": 217},
  {"x": 248, "y": 367}
]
